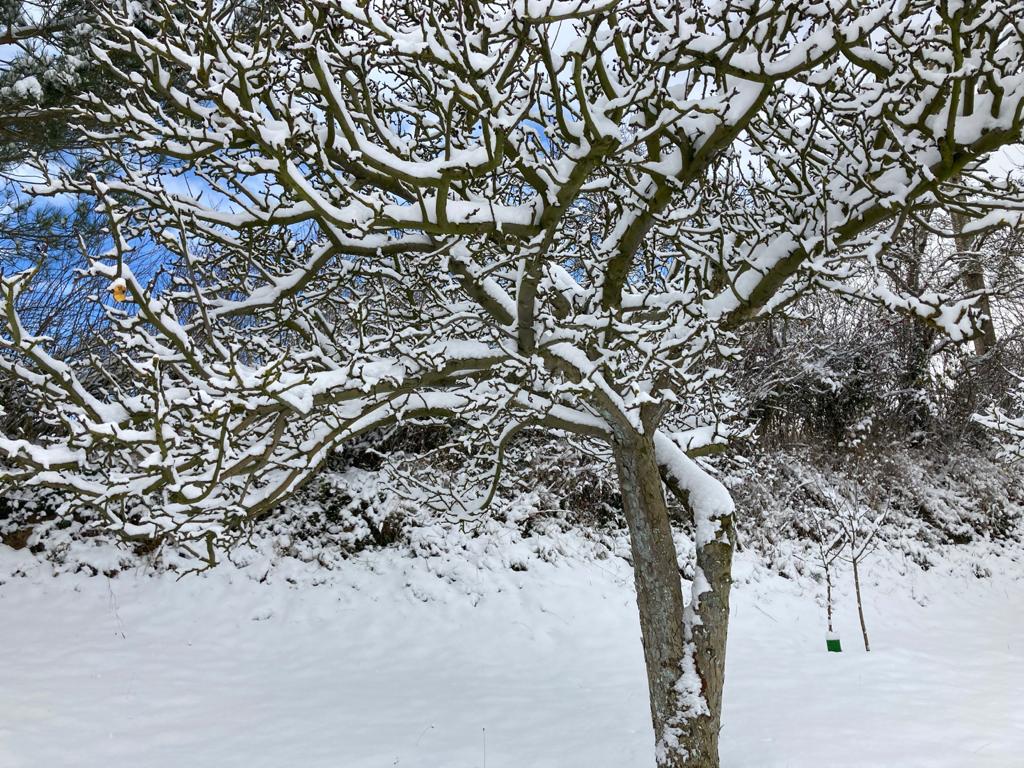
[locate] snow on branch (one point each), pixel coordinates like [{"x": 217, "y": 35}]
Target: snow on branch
[{"x": 488, "y": 213}]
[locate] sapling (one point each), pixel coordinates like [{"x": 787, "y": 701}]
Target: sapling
[
  {"x": 829, "y": 545},
  {"x": 829, "y": 541},
  {"x": 860, "y": 525}
]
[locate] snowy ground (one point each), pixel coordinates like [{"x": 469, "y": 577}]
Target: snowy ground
[{"x": 390, "y": 665}]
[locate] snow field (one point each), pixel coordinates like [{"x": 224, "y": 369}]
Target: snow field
[{"x": 387, "y": 664}]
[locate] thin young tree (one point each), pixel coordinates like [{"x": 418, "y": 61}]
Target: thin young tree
[
  {"x": 829, "y": 540},
  {"x": 861, "y": 525},
  {"x": 505, "y": 214}
]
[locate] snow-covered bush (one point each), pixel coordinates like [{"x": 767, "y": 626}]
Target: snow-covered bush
[{"x": 933, "y": 498}]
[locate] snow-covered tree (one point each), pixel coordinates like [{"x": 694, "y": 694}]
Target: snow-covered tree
[
  {"x": 42, "y": 67},
  {"x": 521, "y": 213}
]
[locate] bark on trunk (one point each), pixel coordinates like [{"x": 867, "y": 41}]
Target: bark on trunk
[
  {"x": 973, "y": 274},
  {"x": 708, "y": 625},
  {"x": 684, "y": 650},
  {"x": 860, "y": 605},
  {"x": 828, "y": 596},
  {"x": 659, "y": 592}
]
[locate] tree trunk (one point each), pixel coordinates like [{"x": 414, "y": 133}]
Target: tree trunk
[
  {"x": 828, "y": 596},
  {"x": 860, "y": 605},
  {"x": 972, "y": 272},
  {"x": 684, "y": 650},
  {"x": 707, "y": 622}
]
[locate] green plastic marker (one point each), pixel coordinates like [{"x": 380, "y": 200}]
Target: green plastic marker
[{"x": 832, "y": 643}]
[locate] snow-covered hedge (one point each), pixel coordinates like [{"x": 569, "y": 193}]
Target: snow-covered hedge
[
  {"x": 555, "y": 496},
  {"x": 926, "y": 499}
]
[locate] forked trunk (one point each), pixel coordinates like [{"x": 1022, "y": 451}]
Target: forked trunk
[{"x": 684, "y": 650}]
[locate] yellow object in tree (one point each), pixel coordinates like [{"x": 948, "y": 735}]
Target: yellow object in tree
[{"x": 119, "y": 290}]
